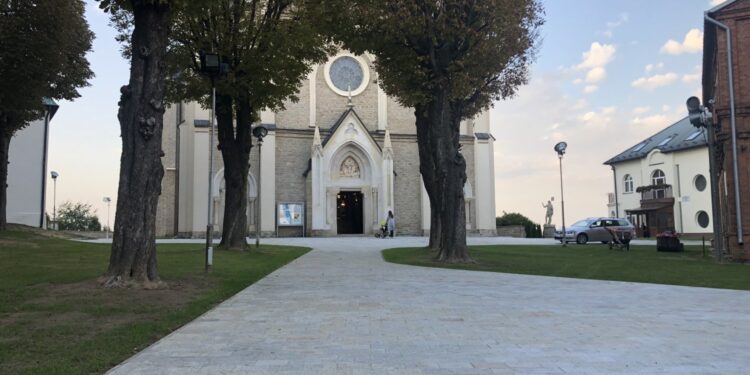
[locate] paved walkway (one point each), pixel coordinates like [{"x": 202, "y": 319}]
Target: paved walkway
[{"x": 340, "y": 309}]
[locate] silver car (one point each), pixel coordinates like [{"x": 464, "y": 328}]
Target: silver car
[{"x": 595, "y": 229}]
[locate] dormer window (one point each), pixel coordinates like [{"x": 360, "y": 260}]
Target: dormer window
[
  {"x": 640, "y": 146},
  {"x": 664, "y": 142},
  {"x": 694, "y": 135}
]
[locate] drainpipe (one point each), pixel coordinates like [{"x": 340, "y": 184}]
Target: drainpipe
[
  {"x": 733, "y": 119},
  {"x": 176, "y": 212},
  {"x": 617, "y": 205},
  {"x": 43, "y": 203},
  {"x": 715, "y": 211}
]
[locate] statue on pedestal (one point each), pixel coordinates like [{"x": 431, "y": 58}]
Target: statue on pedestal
[{"x": 548, "y": 215}]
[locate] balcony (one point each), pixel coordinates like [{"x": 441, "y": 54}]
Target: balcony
[{"x": 656, "y": 195}]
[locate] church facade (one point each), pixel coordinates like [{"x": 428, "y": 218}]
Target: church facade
[{"x": 333, "y": 163}]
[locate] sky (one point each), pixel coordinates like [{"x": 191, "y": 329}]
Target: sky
[{"x": 607, "y": 75}]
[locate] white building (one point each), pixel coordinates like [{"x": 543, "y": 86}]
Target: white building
[
  {"x": 333, "y": 163},
  {"x": 27, "y": 171},
  {"x": 662, "y": 182}
]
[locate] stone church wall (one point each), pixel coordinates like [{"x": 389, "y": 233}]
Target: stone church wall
[
  {"x": 407, "y": 199},
  {"x": 330, "y": 105},
  {"x": 296, "y": 115},
  {"x": 292, "y": 155},
  {"x": 401, "y": 120}
]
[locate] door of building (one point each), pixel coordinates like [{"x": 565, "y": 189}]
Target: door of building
[{"x": 349, "y": 213}]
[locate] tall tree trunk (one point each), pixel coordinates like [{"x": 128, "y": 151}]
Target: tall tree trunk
[
  {"x": 133, "y": 256},
  {"x": 428, "y": 170},
  {"x": 445, "y": 172},
  {"x": 235, "y": 150},
  {"x": 5, "y": 137}
]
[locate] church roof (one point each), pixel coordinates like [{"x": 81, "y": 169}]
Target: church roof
[
  {"x": 340, "y": 121},
  {"x": 681, "y": 135},
  {"x": 335, "y": 127}
]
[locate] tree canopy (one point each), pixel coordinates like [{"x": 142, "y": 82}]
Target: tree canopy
[
  {"x": 477, "y": 51},
  {"x": 269, "y": 45},
  {"x": 43, "y": 46}
]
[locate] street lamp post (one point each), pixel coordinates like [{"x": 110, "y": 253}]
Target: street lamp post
[
  {"x": 560, "y": 149},
  {"x": 107, "y": 200},
  {"x": 54, "y": 198},
  {"x": 212, "y": 67},
  {"x": 259, "y": 132}
]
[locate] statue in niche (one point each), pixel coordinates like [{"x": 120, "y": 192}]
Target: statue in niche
[{"x": 349, "y": 168}]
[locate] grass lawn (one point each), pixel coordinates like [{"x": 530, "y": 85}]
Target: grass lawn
[
  {"x": 55, "y": 319},
  {"x": 640, "y": 264}
]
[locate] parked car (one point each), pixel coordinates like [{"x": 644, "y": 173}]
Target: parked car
[{"x": 595, "y": 229}]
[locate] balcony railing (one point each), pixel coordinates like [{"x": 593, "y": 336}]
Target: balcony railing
[{"x": 654, "y": 192}]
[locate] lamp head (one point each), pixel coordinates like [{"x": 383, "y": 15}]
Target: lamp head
[
  {"x": 54, "y": 174},
  {"x": 560, "y": 148},
  {"x": 260, "y": 132},
  {"x": 693, "y": 105},
  {"x": 210, "y": 63},
  {"x": 698, "y": 114}
]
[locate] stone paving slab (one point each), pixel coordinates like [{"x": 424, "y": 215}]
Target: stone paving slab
[{"x": 340, "y": 309}]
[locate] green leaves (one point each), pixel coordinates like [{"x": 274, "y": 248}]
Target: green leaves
[
  {"x": 476, "y": 51},
  {"x": 43, "y": 46}
]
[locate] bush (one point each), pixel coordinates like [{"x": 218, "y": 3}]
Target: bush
[
  {"x": 532, "y": 230},
  {"x": 78, "y": 216}
]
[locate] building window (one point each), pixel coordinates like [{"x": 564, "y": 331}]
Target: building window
[
  {"x": 628, "y": 183},
  {"x": 658, "y": 178},
  {"x": 700, "y": 182},
  {"x": 694, "y": 135},
  {"x": 664, "y": 142},
  {"x": 702, "y": 218},
  {"x": 347, "y": 75}
]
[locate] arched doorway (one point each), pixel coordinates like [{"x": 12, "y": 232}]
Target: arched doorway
[
  {"x": 218, "y": 196},
  {"x": 351, "y": 182}
]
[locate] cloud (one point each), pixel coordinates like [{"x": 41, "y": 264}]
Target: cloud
[
  {"x": 692, "y": 43},
  {"x": 665, "y": 108},
  {"x": 578, "y": 81},
  {"x": 598, "y": 55},
  {"x": 655, "y": 121},
  {"x": 641, "y": 110},
  {"x": 590, "y": 88},
  {"x": 580, "y": 104},
  {"x": 600, "y": 118},
  {"x": 611, "y": 25},
  {"x": 651, "y": 67},
  {"x": 595, "y": 75},
  {"x": 653, "y": 82}
]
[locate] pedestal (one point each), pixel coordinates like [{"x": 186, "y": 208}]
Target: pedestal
[{"x": 548, "y": 231}]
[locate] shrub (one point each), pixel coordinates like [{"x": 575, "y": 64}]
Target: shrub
[
  {"x": 78, "y": 216},
  {"x": 533, "y": 230}
]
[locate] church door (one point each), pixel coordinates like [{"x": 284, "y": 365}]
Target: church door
[{"x": 349, "y": 214}]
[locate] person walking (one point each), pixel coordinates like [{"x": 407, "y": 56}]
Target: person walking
[{"x": 391, "y": 224}]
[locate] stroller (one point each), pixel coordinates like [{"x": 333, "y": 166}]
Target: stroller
[
  {"x": 383, "y": 231},
  {"x": 620, "y": 239}
]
